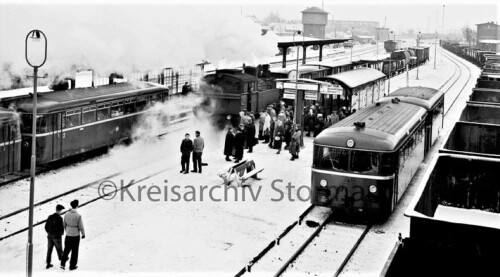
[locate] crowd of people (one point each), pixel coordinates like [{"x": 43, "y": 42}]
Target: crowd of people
[
  {"x": 316, "y": 121},
  {"x": 277, "y": 130},
  {"x": 274, "y": 127}
]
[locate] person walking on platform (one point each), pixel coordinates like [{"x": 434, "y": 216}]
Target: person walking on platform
[
  {"x": 198, "y": 146},
  {"x": 229, "y": 144},
  {"x": 186, "y": 149},
  {"x": 279, "y": 133},
  {"x": 262, "y": 119},
  {"x": 55, "y": 230},
  {"x": 295, "y": 145},
  {"x": 239, "y": 144},
  {"x": 73, "y": 224},
  {"x": 267, "y": 127},
  {"x": 250, "y": 136}
]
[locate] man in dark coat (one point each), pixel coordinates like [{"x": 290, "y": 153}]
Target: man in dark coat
[
  {"x": 186, "y": 149},
  {"x": 250, "y": 136},
  {"x": 55, "y": 229},
  {"x": 239, "y": 143},
  {"x": 229, "y": 144},
  {"x": 185, "y": 89}
]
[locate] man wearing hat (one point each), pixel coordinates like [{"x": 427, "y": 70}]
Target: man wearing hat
[
  {"x": 186, "y": 149},
  {"x": 55, "y": 229},
  {"x": 73, "y": 224}
]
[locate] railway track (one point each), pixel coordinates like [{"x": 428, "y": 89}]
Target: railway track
[
  {"x": 339, "y": 240},
  {"x": 14, "y": 222}
]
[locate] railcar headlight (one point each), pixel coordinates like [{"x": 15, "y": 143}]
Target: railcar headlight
[
  {"x": 323, "y": 183},
  {"x": 373, "y": 189}
]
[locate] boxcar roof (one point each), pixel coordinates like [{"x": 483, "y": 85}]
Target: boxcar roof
[
  {"x": 357, "y": 77},
  {"x": 386, "y": 127},
  {"x": 64, "y": 99},
  {"x": 424, "y": 97}
]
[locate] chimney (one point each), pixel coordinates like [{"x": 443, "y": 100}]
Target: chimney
[{"x": 84, "y": 79}]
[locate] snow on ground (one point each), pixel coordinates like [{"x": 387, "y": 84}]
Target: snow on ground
[
  {"x": 371, "y": 255},
  {"x": 187, "y": 236}
]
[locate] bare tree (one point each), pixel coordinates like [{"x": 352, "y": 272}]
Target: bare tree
[{"x": 469, "y": 35}]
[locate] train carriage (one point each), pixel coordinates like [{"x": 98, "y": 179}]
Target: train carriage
[
  {"x": 363, "y": 164},
  {"x": 10, "y": 142},
  {"x": 485, "y": 95},
  {"x": 481, "y": 113},
  {"x": 79, "y": 120},
  {"x": 428, "y": 98}
]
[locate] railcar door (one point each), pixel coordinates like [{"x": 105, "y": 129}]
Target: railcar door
[{"x": 57, "y": 136}]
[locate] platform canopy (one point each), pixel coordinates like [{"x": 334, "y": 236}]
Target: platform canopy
[
  {"x": 306, "y": 43},
  {"x": 357, "y": 77}
]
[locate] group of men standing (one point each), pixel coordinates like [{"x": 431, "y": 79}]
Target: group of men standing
[
  {"x": 188, "y": 146},
  {"x": 315, "y": 121},
  {"x": 55, "y": 226}
]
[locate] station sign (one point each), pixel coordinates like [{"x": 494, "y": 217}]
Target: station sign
[
  {"x": 311, "y": 95},
  {"x": 332, "y": 89},
  {"x": 292, "y": 85}
]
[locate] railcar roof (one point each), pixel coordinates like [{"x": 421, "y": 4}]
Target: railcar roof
[
  {"x": 56, "y": 100},
  {"x": 424, "y": 97},
  {"x": 355, "y": 78},
  {"x": 6, "y": 115},
  {"x": 387, "y": 125}
]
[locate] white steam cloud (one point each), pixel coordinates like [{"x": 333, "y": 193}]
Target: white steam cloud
[{"x": 130, "y": 39}]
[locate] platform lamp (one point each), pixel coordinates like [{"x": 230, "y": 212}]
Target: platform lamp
[
  {"x": 37, "y": 39},
  {"x": 418, "y": 45},
  {"x": 295, "y": 115}
]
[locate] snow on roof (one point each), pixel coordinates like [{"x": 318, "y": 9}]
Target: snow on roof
[
  {"x": 314, "y": 10},
  {"x": 22, "y": 92},
  {"x": 357, "y": 77},
  {"x": 490, "y": 41}
]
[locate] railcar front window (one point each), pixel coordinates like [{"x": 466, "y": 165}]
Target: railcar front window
[
  {"x": 332, "y": 158},
  {"x": 365, "y": 162}
]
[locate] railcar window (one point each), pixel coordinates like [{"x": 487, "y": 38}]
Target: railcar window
[
  {"x": 103, "y": 112},
  {"x": 129, "y": 106},
  {"x": 43, "y": 123},
  {"x": 117, "y": 109},
  {"x": 88, "y": 115},
  {"x": 26, "y": 123},
  {"x": 330, "y": 158},
  {"x": 73, "y": 118},
  {"x": 141, "y": 103},
  {"x": 365, "y": 162}
]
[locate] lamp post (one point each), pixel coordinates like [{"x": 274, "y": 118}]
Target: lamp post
[
  {"x": 295, "y": 115},
  {"x": 418, "y": 45},
  {"x": 352, "y": 42},
  {"x": 436, "y": 40},
  {"x": 34, "y": 36},
  {"x": 442, "y": 34}
]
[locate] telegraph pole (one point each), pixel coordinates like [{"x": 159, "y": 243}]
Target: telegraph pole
[
  {"x": 436, "y": 40},
  {"x": 442, "y": 34}
]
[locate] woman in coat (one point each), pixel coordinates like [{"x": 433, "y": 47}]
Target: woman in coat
[
  {"x": 295, "y": 145},
  {"x": 279, "y": 135},
  {"x": 229, "y": 144}
]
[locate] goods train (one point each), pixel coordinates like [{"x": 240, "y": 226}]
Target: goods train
[
  {"x": 477, "y": 56},
  {"x": 455, "y": 214},
  {"x": 10, "y": 142},
  {"x": 72, "y": 122},
  {"x": 363, "y": 164}
]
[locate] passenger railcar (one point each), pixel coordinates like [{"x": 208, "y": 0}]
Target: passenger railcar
[
  {"x": 10, "y": 142},
  {"x": 79, "y": 120},
  {"x": 363, "y": 164},
  {"x": 428, "y": 98}
]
